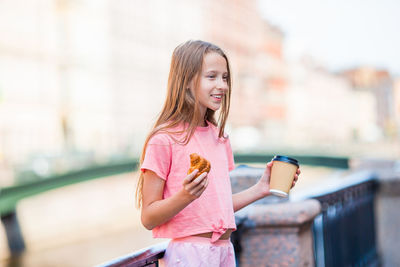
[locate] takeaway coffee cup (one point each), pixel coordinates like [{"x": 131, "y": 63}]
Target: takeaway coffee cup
[{"x": 282, "y": 175}]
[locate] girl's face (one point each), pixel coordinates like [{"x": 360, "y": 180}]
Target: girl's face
[{"x": 213, "y": 82}]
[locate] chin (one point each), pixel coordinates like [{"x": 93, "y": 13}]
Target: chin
[{"x": 214, "y": 108}]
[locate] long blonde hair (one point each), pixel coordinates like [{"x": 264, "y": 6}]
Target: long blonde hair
[{"x": 180, "y": 105}]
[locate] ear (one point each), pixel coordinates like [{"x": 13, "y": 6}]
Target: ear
[{"x": 190, "y": 84}]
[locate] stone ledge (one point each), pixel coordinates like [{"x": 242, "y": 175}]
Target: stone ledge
[
  {"x": 283, "y": 214},
  {"x": 389, "y": 183}
]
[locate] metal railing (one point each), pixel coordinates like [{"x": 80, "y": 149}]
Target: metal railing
[
  {"x": 145, "y": 257},
  {"x": 344, "y": 232}
]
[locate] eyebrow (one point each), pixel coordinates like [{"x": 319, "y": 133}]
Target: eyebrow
[{"x": 215, "y": 71}]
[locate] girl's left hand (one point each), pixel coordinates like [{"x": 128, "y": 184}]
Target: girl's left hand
[
  {"x": 263, "y": 183},
  {"x": 265, "y": 179},
  {"x": 296, "y": 177}
]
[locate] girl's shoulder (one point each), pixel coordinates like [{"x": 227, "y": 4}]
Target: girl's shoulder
[
  {"x": 166, "y": 136},
  {"x": 160, "y": 138}
]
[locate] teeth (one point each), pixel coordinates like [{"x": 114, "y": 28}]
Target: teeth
[{"x": 217, "y": 96}]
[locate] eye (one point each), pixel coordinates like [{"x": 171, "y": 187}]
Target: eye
[
  {"x": 211, "y": 76},
  {"x": 225, "y": 78}
]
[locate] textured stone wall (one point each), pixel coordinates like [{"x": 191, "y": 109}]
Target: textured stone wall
[{"x": 274, "y": 231}]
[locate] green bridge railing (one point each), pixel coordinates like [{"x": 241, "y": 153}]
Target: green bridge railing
[{"x": 9, "y": 196}]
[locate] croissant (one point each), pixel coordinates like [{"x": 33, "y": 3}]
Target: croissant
[{"x": 200, "y": 163}]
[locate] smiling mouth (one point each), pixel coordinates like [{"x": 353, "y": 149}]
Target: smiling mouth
[{"x": 217, "y": 96}]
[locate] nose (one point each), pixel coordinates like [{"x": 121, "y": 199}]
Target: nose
[{"x": 222, "y": 84}]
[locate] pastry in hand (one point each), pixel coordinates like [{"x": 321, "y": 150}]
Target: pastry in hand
[{"x": 200, "y": 163}]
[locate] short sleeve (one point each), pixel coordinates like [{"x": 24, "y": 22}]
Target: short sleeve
[
  {"x": 229, "y": 154},
  {"x": 158, "y": 156}
]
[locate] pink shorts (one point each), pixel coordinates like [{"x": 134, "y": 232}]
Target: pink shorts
[{"x": 196, "y": 251}]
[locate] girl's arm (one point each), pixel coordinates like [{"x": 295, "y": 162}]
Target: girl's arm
[
  {"x": 257, "y": 191},
  {"x": 156, "y": 210}
]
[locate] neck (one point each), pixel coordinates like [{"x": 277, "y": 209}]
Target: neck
[{"x": 203, "y": 123}]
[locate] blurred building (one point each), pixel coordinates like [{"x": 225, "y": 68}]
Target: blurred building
[
  {"x": 379, "y": 83},
  {"x": 396, "y": 92},
  {"x": 29, "y": 81},
  {"x": 91, "y": 76},
  {"x": 325, "y": 111}
]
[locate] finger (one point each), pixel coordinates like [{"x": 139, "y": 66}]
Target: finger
[
  {"x": 268, "y": 167},
  {"x": 191, "y": 176},
  {"x": 202, "y": 176},
  {"x": 196, "y": 190},
  {"x": 201, "y": 189},
  {"x": 201, "y": 184},
  {"x": 199, "y": 180},
  {"x": 298, "y": 171},
  {"x": 195, "y": 182}
]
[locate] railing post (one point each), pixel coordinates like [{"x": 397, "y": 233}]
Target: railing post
[
  {"x": 388, "y": 216},
  {"x": 347, "y": 225},
  {"x": 15, "y": 240},
  {"x": 387, "y": 203},
  {"x": 279, "y": 234}
]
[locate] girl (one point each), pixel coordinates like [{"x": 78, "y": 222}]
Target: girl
[{"x": 197, "y": 213}]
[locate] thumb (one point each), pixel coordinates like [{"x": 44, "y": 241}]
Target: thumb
[
  {"x": 267, "y": 171},
  {"x": 269, "y": 166}
]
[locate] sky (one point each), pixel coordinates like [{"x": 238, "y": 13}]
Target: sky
[{"x": 339, "y": 34}]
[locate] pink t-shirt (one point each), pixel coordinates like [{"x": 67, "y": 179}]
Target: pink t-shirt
[{"x": 213, "y": 210}]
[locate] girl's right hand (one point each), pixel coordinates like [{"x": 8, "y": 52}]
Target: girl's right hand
[{"x": 194, "y": 187}]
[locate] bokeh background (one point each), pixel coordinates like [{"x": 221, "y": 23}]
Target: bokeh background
[{"x": 82, "y": 82}]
